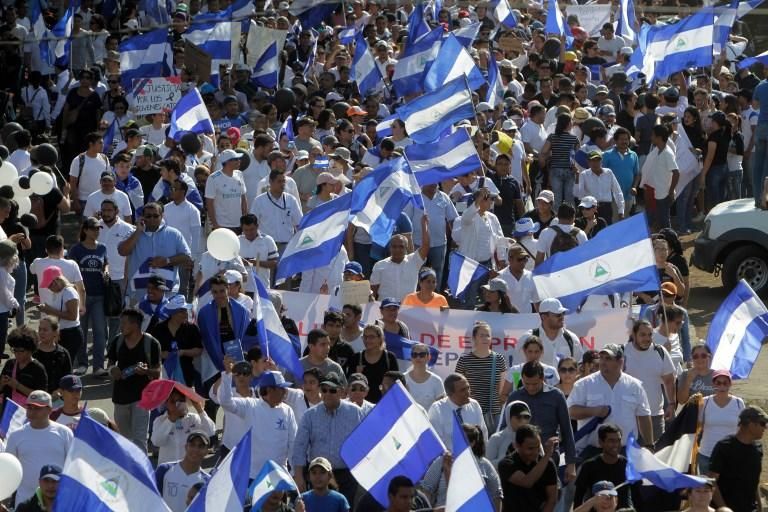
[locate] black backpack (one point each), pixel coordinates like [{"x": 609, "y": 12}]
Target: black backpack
[{"x": 564, "y": 240}]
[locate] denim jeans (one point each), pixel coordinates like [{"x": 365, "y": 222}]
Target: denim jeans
[
  {"x": 436, "y": 260},
  {"x": 717, "y": 184},
  {"x": 20, "y": 292},
  {"x": 94, "y": 315},
  {"x": 363, "y": 257},
  {"x": 760, "y": 162},
  {"x": 133, "y": 422},
  {"x": 561, "y": 181},
  {"x": 684, "y": 204},
  {"x": 734, "y": 184},
  {"x": 661, "y": 216}
]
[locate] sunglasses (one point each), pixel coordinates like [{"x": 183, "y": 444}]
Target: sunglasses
[
  {"x": 243, "y": 374},
  {"x": 358, "y": 388},
  {"x": 419, "y": 354},
  {"x": 332, "y": 391},
  {"x": 112, "y": 82},
  {"x": 568, "y": 369},
  {"x": 150, "y": 216}
]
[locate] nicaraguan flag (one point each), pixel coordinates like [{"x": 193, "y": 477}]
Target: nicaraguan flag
[
  {"x": 462, "y": 272},
  {"x": 190, "y": 115},
  {"x": 227, "y": 487},
  {"x": 504, "y": 14},
  {"x": 401, "y": 347},
  {"x": 40, "y": 30},
  {"x": 144, "y": 272},
  {"x": 172, "y": 365},
  {"x": 286, "y": 129},
  {"x": 214, "y": 37},
  {"x": 746, "y": 7},
  {"x": 724, "y": 21},
  {"x": 417, "y": 25},
  {"x": 467, "y": 35},
  {"x": 62, "y": 31},
  {"x": 619, "y": 259},
  {"x": 272, "y": 477},
  {"x": 415, "y": 61},
  {"x": 312, "y": 12},
  {"x": 379, "y": 198},
  {"x": 427, "y": 117},
  {"x": 364, "y": 70},
  {"x": 308, "y": 71},
  {"x": 348, "y": 35},
  {"x": 14, "y": 417},
  {"x": 395, "y": 438},
  {"x": 556, "y": 23},
  {"x": 626, "y": 23},
  {"x": 105, "y": 471},
  {"x": 267, "y": 69},
  {"x": 642, "y": 464},
  {"x": 467, "y": 493},
  {"x": 319, "y": 237},
  {"x": 495, "y": 95},
  {"x": 737, "y": 332},
  {"x": 452, "y": 61},
  {"x": 109, "y": 137},
  {"x": 384, "y": 128},
  {"x": 147, "y": 55},
  {"x": 451, "y": 156},
  {"x": 763, "y": 57}
]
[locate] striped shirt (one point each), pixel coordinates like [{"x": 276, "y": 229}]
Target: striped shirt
[
  {"x": 477, "y": 371},
  {"x": 563, "y": 146},
  {"x": 321, "y": 433}
]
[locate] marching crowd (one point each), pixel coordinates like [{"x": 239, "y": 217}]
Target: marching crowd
[{"x": 573, "y": 147}]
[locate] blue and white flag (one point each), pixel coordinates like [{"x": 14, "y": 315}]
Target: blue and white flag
[
  {"x": 109, "y": 137},
  {"x": 737, "y": 332},
  {"x": 724, "y": 21},
  {"x": 266, "y": 72},
  {"x": 643, "y": 464},
  {"x": 309, "y": 66},
  {"x": 286, "y": 129},
  {"x": 40, "y": 30},
  {"x": 145, "y": 271},
  {"x": 348, "y": 35},
  {"x": 105, "y": 471},
  {"x": 746, "y": 7},
  {"x": 214, "y": 37},
  {"x": 172, "y": 363},
  {"x": 318, "y": 239},
  {"x": 427, "y": 117},
  {"x": 395, "y": 438},
  {"x": 749, "y": 61},
  {"x": 156, "y": 10},
  {"x": 148, "y": 55},
  {"x": 379, "y": 198},
  {"x": 620, "y": 259},
  {"x": 495, "y": 95},
  {"x": 556, "y": 22},
  {"x": 384, "y": 128},
  {"x": 467, "y": 35},
  {"x": 274, "y": 341},
  {"x": 467, "y": 493},
  {"x": 401, "y": 347},
  {"x": 272, "y": 477},
  {"x": 62, "y": 31},
  {"x": 503, "y": 13},
  {"x": 449, "y": 157},
  {"x": 364, "y": 70},
  {"x": 415, "y": 61},
  {"x": 190, "y": 115},
  {"x": 417, "y": 25},
  {"x": 225, "y": 491},
  {"x": 626, "y": 22},
  {"x": 462, "y": 272},
  {"x": 452, "y": 61},
  {"x": 312, "y": 12},
  {"x": 14, "y": 417}
]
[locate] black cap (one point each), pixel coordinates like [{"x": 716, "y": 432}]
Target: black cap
[
  {"x": 157, "y": 281},
  {"x": 332, "y": 379}
]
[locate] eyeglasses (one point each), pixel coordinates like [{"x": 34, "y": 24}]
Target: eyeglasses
[
  {"x": 568, "y": 369},
  {"x": 332, "y": 391},
  {"x": 700, "y": 356},
  {"x": 151, "y": 216},
  {"x": 357, "y": 388},
  {"x": 763, "y": 423},
  {"x": 419, "y": 354}
]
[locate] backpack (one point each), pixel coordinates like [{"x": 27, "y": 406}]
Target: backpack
[
  {"x": 568, "y": 338},
  {"x": 563, "y": 240}
]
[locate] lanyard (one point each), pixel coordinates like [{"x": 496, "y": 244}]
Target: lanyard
[{"x": 285, "y": 206}]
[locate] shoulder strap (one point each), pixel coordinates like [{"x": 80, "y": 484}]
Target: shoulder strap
[
  {"x": 568, "y": 340},
  {"x": 160, "y": 473},
  {"x": 536, "y": 332},
  {"x": 558, "y": 229},
  {"x": 659, "y": 351},
  {"x": 147, "y": 348}
]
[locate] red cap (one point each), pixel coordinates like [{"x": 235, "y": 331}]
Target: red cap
[{"x": 721, "y": 373}]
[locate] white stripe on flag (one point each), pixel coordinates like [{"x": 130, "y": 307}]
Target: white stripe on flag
[
  {"x": 678, "y": 454},
  {"x": 471, "y": 481},
  {"x": 267, "y": 485},
  {"x": 467, "y": 270},
  {"x": 398, "y": 441},
  {"x": 698, "y": 37},
  {"x": 222, "y": 497},
  {"x": 618, "y": 264},
  {"x": 448, "y": 160},
  {"x": 374, "y": 207},
  {"x": 734, "y": 331},
  {"x": 317, "y": 234},
  {"x": 427, "y": 117}
]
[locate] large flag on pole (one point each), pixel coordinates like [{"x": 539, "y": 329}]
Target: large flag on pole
[
  {"x": 643, "y": 464},
  {"x": 466, "y": 487},
  {"x": 226, "y": 490},
  {"x": 462, "y": 272}
]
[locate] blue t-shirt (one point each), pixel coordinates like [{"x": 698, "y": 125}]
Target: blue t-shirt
[
  {"x": 91, "y": 263},
  {"x": 624, "y": 167},
  {"x": 331, "y": 502},
  {"x": 761, "y": 95}
]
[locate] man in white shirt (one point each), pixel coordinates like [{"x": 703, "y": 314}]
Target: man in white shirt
[
  {"x": 611, "y": 394},
  {"x": 54, "y": 249},
  {"x": 660, "y": 172},
  {"x": 258, "y": 250},
  {"x": 20, "y": 157},
  {"x": 86, "y": 169},
  {"x": 601, "y": 184},
  {"x": 108, "y": 191},
  {"x": 609, "y": 44},
  {"x": 520, "y": 288},
  {"x": 457, "y": 401},
  {"x": 39, "y": 442},
  {"x": 397, "y": 275},
  {"x": 561, "y": 235},
  {"x": 258, "y": 167},
  {"x": 114, "y": 231},
  {"x": 279, "y": 213},
  {"x": 440, "y": 209},
  {"x": 225, "y": 193},
  {"x": 558, "y": 341},
  {"x": 652, "y": 365},
  {"x": 533, "y": 133},
  {"x": 175, "y": 479}
]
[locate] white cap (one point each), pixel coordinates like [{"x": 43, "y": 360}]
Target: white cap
[
  {"x": 229, "y": 154},
  {"x": 588, "y": 202},
  {"x": 484, "y": 107},
  {"x": 233, "y": 276},
  {"x": 552, "y": 306},
  {"x": 508, "y": 125},
  {"x": 626, "y": 50}
]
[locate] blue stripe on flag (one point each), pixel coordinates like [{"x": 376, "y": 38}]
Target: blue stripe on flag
[
  {"x": 428, "y": 116},
  {"x": 225, "y": 490},
  {"x": 451, "y": 156}
]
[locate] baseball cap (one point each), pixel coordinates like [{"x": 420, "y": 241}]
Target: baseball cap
[
  {"x": 389, "y": 302},
  {"x": 518, "y": 409},
  {"x": 669, "y": 289},
  {"x": 200, "y": 435},
  {"x": 672, "y": 93},
  {"x": 321, "y": 462},
  {"x": 353, "y": 267},
  {"x": 157, "y": 282},
  {"x": 332, "y": 379},
  {"x": 358, "y": 378},
  {"x": 92, "y": 222},
  {"x": 207, "y": 88},
  {"x": 108, "y": 175},
  {"x": 229, "y": 154},
  {"x": 495, "y": 285},
  {"x": 50, "y": 472},
  {"x": 604, "y": 488},
  {"x": 588, "y": 202},
  {"x": 607, "y": 110},
  {"x": 552, "y": 306},
  {"x": 70, "y": 383},
  {"x": 356, "y": 111},
  {"x": 333, "y": 96},
  {"x": 176, "y": 303},
  {"x": 525, "y": 226},
  {"x": 49, "y": 275},
  {"x": 594, "y": 155},
  {"x": 751, "y": 413},
  {"x": 626, "y": 50},
  {"x": 721, "y": 373},
  {"x": 302, "y": 154},
  {"x": 242, "y": 367},
  {"x": 272, "y": 379},
  {"x": 546, "y": 195},
  {"x": 326, "y": 177},
  {"x": 484, "y": 107},
  {"x": 602, "y": 89},
  {"x": 98, "y": 415},
  {"x": 509, "y": 125},
  {"x": 613, "y": 350},
  {"x": 145, "y": 150},
  {"x": 233, "y": 276},
  {"x": 39, "y": 398}
]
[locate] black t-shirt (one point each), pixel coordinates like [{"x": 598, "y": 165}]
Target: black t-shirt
[
  {"x": 722, "y": 138},
  {"x": 738, "y": 465},
  {"x": 148, "y": 179},
  {"x": 520, "y": 498},
  {"x": 509, "y": 190},
  {"x": 595, "y": 470},
  {"x": 47, "y": 206},
  {"x": 128, "y": 389},
  {"x": 56, "y": 363},
  {"x": 374, "y": 372},
  {"x": 13, "y": 228},
  {"x": 535, "y": 217},
  {"x": 187, "y": 336},
  {"x": 32, "y": 376},
  {"x": 581, "y": 223},
  {"x": 225, "y": 325},
  {"x": 679, "y": 261},
  {"x": 341, "y": 352}
]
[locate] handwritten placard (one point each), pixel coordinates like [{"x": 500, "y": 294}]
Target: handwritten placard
[{"x": 155, "y": 95}]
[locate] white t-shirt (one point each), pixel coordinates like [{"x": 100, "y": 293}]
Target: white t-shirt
[
  {"x": 513, "y": 375},
  {"x": 111, "y": 237},
  {"x": 675, "y": 350},
  {"x": 93, "y": 203},
  {"x": 533, "y": 134},
  {"x": 397, "y": 279},
  {"x": 35, "y": 448},
  {"x": 650, "y": 367},
  {"x": 278, "y": 217},
  {"x": 186, "y": 218},
  {"x": 68, "y": 267},
  {"x": 554, "y": 349},
  {"x": 154, "y": 136},
  {"x": 522, "y": 292},
  {"x": 59, "y": 301},
  {"x": 176, "y": 485},
  {"x": 657, "y": 170},
  {"x": 227, "y": 193},
  {"x": 252, "y": 176},
  {"x": 548, "y": 236},
  {"x": 718, "y": 422},
  {"x": 263, "y": 248},
  {"x": 427, "y": 392},
  {"x": 89, "y": 179}
]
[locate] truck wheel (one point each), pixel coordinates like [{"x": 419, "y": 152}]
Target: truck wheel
[{"x": 749, "y": 263}]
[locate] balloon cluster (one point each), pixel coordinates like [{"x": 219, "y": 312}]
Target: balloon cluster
[{"x": 20, "y": 188}]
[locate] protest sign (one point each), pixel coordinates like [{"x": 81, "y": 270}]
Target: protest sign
[
  {"x": 592, "y": 17},
  {"x": 197, "y": 62},
  {"x": 355, "y": 292},
  {"x": 451, "y": 331},
  {"x": 155, "y": 95},
  {"x": 259, "y": 38}
]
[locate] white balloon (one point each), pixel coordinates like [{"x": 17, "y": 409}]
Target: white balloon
[
  {"x": 8, "y": 173},
  {"x": 223, "y": 244},
  {"x": 41, "y": 183},
  {"x": 19, "y": 192},
  {"x": 10, "y": 468},
  {"x": 25, "y": 205}
]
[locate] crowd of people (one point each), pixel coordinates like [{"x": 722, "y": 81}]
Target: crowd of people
[{"x": 573, "y": 146}]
